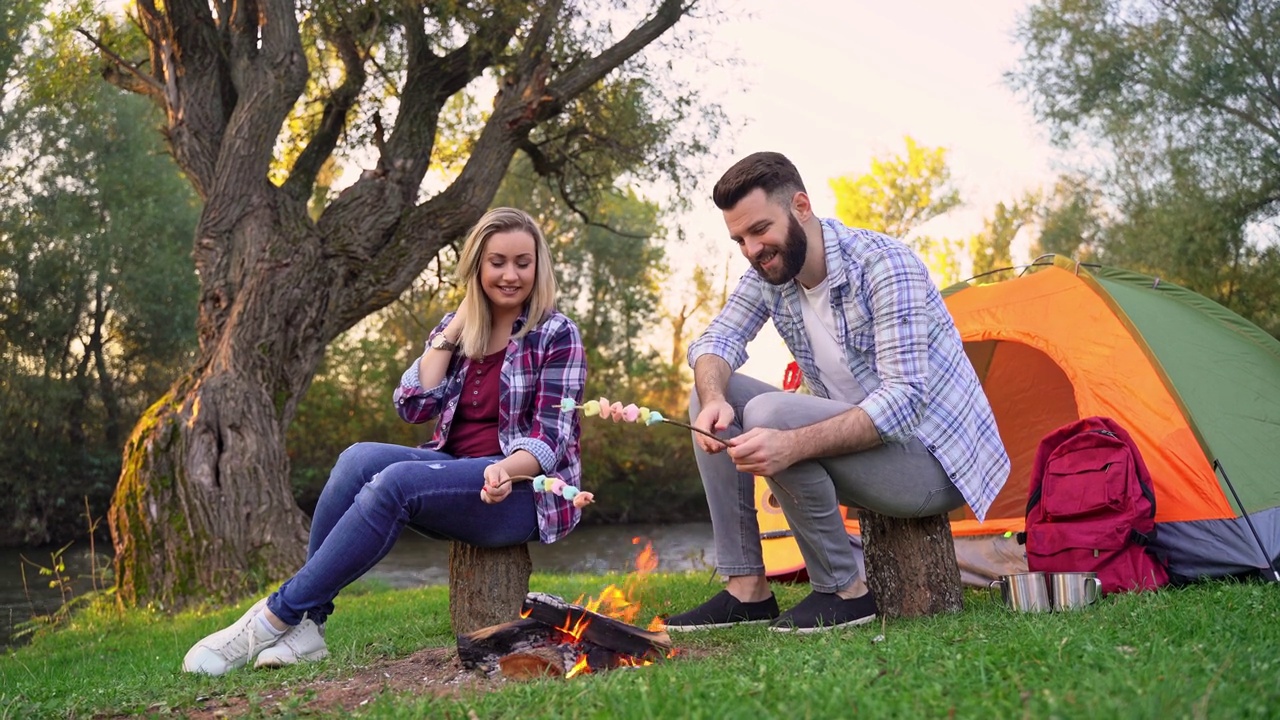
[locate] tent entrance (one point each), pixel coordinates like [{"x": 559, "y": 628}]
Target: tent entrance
[{"x": 1030, "y": 396}]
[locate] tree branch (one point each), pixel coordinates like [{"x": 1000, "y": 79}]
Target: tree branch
[
  {"x": 524, "y": 99},
  {"x": 591, "y": 70},
  {"x": 430, "y": 80},
  {"x": 188, "y": 62},
  {"x": 268, "y": 80},
  {"x": 333, "y": 119},
  {"x": 141, "y": 84},
  {"x": 1247, "y": 47},
  {"x": 586, "y": 219}
]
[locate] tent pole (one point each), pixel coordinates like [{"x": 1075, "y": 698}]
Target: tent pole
[{"x": 1275, "y": 573}]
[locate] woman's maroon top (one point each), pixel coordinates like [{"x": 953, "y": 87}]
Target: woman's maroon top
[{"x": 475, "y": 424}]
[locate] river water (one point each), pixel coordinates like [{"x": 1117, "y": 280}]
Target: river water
[{"x": 414, "y": 561}]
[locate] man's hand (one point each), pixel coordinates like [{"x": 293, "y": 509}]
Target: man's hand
[
  {"x": 715, "y": 417},
  {"x": 762, "y": 451},
  {"x": 497, "y": 485}
]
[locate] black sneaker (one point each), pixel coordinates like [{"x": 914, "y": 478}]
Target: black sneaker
[
  {"x": 723, "y": 610},
  {"x": 826, "y": 611}
]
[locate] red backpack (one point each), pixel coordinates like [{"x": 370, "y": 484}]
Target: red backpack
[{"x": 1091, "y": 507}]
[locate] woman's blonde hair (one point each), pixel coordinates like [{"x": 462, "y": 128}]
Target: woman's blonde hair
[{"x": 475, "y": 335}]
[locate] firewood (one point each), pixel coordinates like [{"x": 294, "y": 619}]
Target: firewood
[
  {"x": 532, "y": 664},
  {"x": 596, "y": 628},
  {"x": 481, "y": 649}
]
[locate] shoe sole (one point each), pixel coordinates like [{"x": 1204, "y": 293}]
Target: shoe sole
[
  {"x": 822, "y": 628},
  {"x": 280, "y": 662},
  {"x": 712, "y": 626}
]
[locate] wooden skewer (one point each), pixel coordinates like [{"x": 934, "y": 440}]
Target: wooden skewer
[
  {"x": 686, "y": 426},
  {"x": 511, "y": 478},
  {"x": 697, "y": 430}
]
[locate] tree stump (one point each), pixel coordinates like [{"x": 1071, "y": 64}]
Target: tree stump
[
  {"x": 486, "y": 585},
  {"x": 911, "y": 564}
]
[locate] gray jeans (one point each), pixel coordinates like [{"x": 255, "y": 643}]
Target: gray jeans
[{"x": 895, "y": 479}]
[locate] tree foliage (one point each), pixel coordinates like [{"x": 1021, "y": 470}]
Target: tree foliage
[
  {"x": 1071, "y": 220},
  {"x": 1184, "y": 98},
  {"x": 898, "y": 195},
  {"x": 991, "y": 247},
  {"x": 96, "y": 290}
]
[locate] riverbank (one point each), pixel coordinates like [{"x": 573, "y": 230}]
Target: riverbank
[{"x": 1203, "y": 651}]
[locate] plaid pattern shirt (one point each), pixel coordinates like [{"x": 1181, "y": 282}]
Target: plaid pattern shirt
[
  {"x": 901, "y": 345},
  {"x": 547, "y": 364}
]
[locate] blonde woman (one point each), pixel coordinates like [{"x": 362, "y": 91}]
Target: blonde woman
[{"x": 493, "y": 374}]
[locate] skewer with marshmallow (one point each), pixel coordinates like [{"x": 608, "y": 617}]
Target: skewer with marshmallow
[
  {"x": 629, "y": 413},
  {"x": 555, "y": 486}
]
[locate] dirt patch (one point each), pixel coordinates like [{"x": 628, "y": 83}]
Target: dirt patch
[{"x": 433, "y": 671}]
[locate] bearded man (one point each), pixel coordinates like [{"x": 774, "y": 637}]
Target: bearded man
[{"x": 896, "y": 421}]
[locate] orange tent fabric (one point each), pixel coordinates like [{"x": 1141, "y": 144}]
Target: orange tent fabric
[{"x": 1024, "y": 345}]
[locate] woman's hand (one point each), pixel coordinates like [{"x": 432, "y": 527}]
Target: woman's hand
[{"x": 497, "y": 485}]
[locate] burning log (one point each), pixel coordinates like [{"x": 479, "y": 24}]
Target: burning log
[
  {"x": 543, "y": 662},
  {"x": 554, "y": 637},
  {"x": 596, "y": 628}
]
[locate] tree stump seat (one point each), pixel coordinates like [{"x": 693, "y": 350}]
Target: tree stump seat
[
  {"x": 911, "y": 564},
  {"x": 487, "y": 586}
]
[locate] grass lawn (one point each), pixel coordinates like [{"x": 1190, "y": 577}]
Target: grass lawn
[{"x": 1210, "y": 650}]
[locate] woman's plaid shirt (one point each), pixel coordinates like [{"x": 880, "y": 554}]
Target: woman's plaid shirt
[{"x": 547, "y": 364}]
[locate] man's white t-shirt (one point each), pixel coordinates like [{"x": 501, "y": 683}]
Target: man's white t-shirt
[{"x": 820, "y": 326}]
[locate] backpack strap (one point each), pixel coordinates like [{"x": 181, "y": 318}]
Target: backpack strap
[{"x": 1140, "y": 538}]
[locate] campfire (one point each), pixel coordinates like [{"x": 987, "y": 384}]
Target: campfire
[{"x": 553, "y": 637}]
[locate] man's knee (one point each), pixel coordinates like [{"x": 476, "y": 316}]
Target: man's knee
[{"x": 766, "y": 411}]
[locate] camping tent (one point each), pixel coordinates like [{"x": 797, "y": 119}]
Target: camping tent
[{"x": 1191, "y": 381}]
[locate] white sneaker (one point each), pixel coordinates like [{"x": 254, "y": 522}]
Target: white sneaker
[
  {"x": 301, "y": 643},
  {"x": 231, "y": 647}
]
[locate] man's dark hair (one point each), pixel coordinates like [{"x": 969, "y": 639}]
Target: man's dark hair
[{"x": 769, "y": 171}]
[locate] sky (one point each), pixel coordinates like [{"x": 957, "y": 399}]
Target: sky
[{"x": 832, "y": 84}]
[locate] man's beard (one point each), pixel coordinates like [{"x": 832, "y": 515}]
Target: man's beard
[{"x": 793, "y": 255}]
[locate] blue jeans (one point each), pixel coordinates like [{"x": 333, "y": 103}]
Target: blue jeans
[{"x": 373, "y": 491}]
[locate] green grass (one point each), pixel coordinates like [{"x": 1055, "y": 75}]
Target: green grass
[{"x": 1211, "y": 650}]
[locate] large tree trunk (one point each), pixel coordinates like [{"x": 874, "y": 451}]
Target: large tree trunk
[
  {"x": 204, "y": 509},
  {"x": 486, "y": 585},
  {"x": 911, "y": 564}
]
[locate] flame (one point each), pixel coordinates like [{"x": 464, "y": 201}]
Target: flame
[
  {"x": 574, "y": 629},
  {"x": 618, "y": 603},
  {"x": 647, "y": 560},
  {"x": 579, "y": 667}
]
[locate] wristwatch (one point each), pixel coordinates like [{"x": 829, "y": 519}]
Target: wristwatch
[{"x": 440, "y": 342}]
